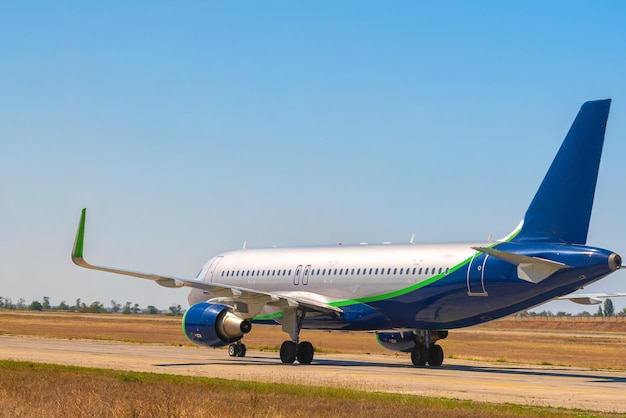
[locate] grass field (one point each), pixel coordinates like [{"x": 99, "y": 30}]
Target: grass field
[{"x": 28, "y": 389}]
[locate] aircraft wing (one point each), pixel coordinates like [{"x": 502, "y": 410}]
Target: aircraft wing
[
  {"x": 223, "y": 292},
  {"x": 590, "y": 298}
]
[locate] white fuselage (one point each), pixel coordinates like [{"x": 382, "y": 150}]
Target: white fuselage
[{"x": 333, "y": 273}]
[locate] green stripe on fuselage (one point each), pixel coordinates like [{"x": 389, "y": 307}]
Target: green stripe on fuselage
[{"x": 399, "y": 292}]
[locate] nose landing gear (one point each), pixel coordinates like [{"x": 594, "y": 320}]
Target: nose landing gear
[{"x": 237, "y": 350}]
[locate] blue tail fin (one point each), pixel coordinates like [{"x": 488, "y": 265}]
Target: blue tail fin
[{"x": 561, "y": 209}]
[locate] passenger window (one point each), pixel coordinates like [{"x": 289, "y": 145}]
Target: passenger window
[
  {"x": 389, "y": 271},
  {"x": 401, "y": 270},
  {"x": 440, "y": 270},
  {"x": 376, "y": 271},
  {"x": 447, "y": 270},
  {"x": 352, "y": 272}
]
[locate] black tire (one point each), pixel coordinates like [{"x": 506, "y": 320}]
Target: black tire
[
  {"x": 305, "y": 352},
  {"x": 288, "y": 352},
  {"x": 435, "y": 357},
  {"x": 232, "y": 350},
  {"x": 241, "y": 350},
  {"x": 419, "y": 355}
]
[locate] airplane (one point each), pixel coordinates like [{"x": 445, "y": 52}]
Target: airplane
[{"x": 411, "y": 295}]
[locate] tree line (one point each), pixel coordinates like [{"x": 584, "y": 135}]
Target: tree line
[
  {"x": 606, "y": 309},
  {"x": 80, "y": 306}
]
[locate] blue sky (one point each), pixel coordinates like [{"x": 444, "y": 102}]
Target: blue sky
[{"x": 188, "y": 128}]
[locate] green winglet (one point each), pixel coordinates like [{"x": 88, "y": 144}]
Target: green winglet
[{"x": 80, "y": 237}]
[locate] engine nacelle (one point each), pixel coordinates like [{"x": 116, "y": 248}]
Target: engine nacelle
[
  {"x": 396, "y": 341},
  {"x": 405, "y": 341},
  {"x": 213, "y": 325}
]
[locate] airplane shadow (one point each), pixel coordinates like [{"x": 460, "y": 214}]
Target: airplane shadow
[{"x": 536, "y": 371}]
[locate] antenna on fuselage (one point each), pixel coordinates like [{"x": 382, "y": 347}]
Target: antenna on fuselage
[
  {"x": 245, "y": 245},
  {"x": 412, "y": 240}
]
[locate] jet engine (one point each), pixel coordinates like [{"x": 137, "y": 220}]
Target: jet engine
[
  {"x": 405, "y": 341},
  {"x": 213, "y": 325},
  {"x": 396, "y": 341}
]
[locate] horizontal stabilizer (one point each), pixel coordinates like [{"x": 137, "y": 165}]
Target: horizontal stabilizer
[
  {"x": 591, "y": 299},
  {"x": 531, "y": 269}
]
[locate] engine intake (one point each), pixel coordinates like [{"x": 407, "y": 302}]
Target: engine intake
[{"x": 213, "y": 325}]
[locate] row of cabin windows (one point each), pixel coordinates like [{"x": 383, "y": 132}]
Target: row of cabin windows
[{"x": 322, "y": 272}]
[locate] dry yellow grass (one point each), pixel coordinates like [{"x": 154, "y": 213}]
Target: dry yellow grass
[
  {"x": 533, "y": 341},
  {"x": 36, "y": 390}
]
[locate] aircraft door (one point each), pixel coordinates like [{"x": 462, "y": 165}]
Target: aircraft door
[
  {"x": 296, "y": 276},
  {"x": 209, "y": 275},
  {"x": 476, "y": 275}
]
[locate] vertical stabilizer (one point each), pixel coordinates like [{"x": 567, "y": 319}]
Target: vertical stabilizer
[{"x": 561, "y": 209}]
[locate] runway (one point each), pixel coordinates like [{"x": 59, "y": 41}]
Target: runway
[{"x": 491, "y": 382}]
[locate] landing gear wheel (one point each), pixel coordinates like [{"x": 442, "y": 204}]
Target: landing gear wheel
[
  {"x": 288, "y": 352},
  {"x": 237, "y": 350},
  {"x": 419, "y": 355},
  {"x": 241, "y": 350},
  {"x": 305, "y": 352},
  {"x": 435, "y": 357}
]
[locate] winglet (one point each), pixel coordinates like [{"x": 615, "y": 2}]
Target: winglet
[
  {"x": 77, "y": 252},
  {"x": 77, "y": 258}
]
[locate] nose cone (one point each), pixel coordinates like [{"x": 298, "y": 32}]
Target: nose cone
[{"x": 615, "y": 262}]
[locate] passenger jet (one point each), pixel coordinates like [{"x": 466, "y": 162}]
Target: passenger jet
[{"x": 411, "y": 295}]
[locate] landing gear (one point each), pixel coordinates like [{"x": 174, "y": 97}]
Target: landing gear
[
  {"x": 425, "y": 350},
  {"x": 237, "y": 350},
  {"x": 435, "y": 357},
  {"x": 293, "y": 350},
  {"x": 305, "y": 352},
  {"x": 419, "y": 355},
  {"x": 288, "y": 352}
]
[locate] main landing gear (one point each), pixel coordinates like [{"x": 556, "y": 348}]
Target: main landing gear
[
  {"x": 425, "y": 350},
  {"x": 293, "y": 350}
]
